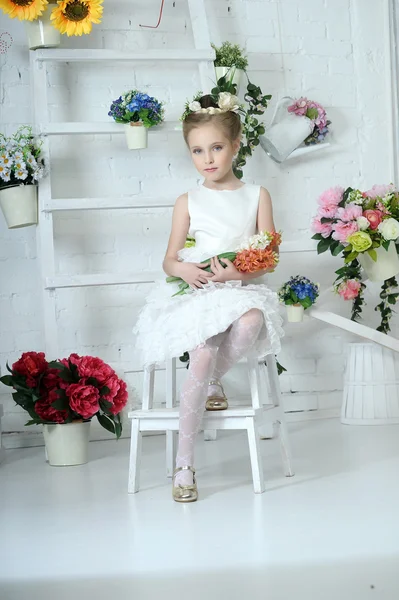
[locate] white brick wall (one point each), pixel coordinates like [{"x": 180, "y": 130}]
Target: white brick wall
[{"x": 332, "y": 51}]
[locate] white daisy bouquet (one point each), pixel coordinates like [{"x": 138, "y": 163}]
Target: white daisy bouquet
[{"x": 20, "y": 161}]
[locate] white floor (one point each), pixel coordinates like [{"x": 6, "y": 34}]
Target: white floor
[{"x": 329, "y": 533}]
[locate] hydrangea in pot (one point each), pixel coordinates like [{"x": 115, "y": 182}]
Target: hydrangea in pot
[
  {"x": 138, "y": 112},
  {"x": 21, "y": 167},
  {"x": 64, "y": 396},
  {"x": 298, "y": 294}
]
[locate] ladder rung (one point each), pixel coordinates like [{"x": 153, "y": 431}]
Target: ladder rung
[
  {"x": 79, "y": 127},
  {"x": 130, "y": 202},
  {"x": 99, "y": 279},
  {"x": 86, "y": 55}
]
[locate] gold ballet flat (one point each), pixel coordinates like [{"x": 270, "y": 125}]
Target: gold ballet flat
[
  {"x": 216, "y": 402},
  {"x": 185, "y": 493}
]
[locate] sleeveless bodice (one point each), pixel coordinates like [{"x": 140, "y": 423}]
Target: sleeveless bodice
[{"x": 220, "y": 220}]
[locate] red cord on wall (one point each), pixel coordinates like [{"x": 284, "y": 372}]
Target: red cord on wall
[{"x": 159, "y": 20}]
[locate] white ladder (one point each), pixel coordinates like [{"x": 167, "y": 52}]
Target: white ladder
[{"x": 203, "y": 54}]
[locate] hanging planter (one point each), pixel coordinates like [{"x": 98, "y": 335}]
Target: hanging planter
[
  {"x": 298, "y": 294},
  {"x": 21, "y": 167},
  {"x": 138, "y": 112},
  {"x": 41, "y": 33},
  {"x": 230, "y": 63},
  {"x": 386, "y": 265},
  {"x": 67, "y": 444},
  {"x": 19, "y": 205},
  {"x": 136, "y": 136}
]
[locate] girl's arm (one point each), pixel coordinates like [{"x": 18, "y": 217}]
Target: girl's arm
[
  {"x": 264, "y": 222},
  {"x": 178, "y": 235}
]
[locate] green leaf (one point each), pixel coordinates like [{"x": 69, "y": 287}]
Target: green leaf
[
  {"x": 317, "y": 236},
  {"x": 118, "y": 426},
  {"x": 106, "y": 422},
  {"x": 34, "y": 422},
  {"x": 306, "y": 302},
  {"x": 105, "y": 406},
  {"x": 61, "y": 403},
  {"x": 7, "y": 380},
  {"x": 323, "y": 245},
  {"x": 373, "y": 254},
  {"x": 351, "y": 256},
  {"x": 337, "y": 250},
  {"x": 385, "y": 244}
]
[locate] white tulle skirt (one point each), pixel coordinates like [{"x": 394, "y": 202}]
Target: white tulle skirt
[{"x": 169, "y": 326}]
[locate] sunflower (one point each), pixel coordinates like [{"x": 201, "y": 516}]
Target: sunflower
[
  {"x": 75, "y": 17},
  {"x": 24, "y": 10}
]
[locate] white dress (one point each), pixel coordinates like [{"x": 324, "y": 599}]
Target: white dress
[{"x": 167, "y": 326}]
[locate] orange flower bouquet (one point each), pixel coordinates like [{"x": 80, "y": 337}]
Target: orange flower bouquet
[{"x": 256, "y": 254}]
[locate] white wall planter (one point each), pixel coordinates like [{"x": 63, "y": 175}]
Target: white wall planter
[
  {"x": 386, "y": 266},
  {"x": 294, "y": 313},
  {"x": 230, "y": 73},
  {"x": 136, "y": 136},
  {"x": 68, "y": 444},
  {"x": 19, "y": 205},
  {"x": 371, "y": 386},
  {"x": 41, "y": 33},
  {"x": 286, "y": 132}
]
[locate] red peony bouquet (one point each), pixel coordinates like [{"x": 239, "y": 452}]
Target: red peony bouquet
[{"x": 72, "y": 389}]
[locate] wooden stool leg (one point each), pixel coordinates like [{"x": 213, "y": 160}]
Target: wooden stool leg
[
  {"x": 285, "y": 448},
  {"x": 256, "y": 458},
  {"x": 171, "y": 449},
  {"x": 135, "y": 458}
]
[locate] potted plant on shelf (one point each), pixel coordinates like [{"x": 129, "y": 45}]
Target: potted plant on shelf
[
  {"x": 64, "y": 396},
  {"x": 138, "y": 112},
  {"x": 362, "y": 227},
  {"x": 298, "y": 294},
  {"x": 230, "y": 62},
  {"x": 21, "y": 167}
]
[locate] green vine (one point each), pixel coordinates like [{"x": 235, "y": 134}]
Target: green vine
[{"x": 388, "y": 298}]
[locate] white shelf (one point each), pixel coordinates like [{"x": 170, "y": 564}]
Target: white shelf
[
  {"x": 308, "y": 149},
  {"x": 306, "y": 245},
  {"x": 80, "y": 128},
  {"x": 133, "y": 202},
  {"x": 98, "y": 279},
  {"x": 84, "y": 55}
]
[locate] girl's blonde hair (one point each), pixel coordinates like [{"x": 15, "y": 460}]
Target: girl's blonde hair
[{"x": 229, "y": 122}]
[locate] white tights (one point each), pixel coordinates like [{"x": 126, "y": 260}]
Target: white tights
[{"x": 211, "y": 359}]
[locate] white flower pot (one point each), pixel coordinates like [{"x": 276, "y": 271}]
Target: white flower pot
[
  {"x": 136, "y": 136},
  {"x": 281, "y": 139},
  {"x": 68, "y": 444},
  {"x": 386, "y": 266},
  {"x": 41, "y": 32},
  {"x": 371, "y": 386},
  {"x": 19, "y": 205},
  {"x": 295, "y": 313},
  {"x": 230, "y": 73}
]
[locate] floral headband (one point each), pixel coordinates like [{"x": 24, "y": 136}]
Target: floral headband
[{"x": 226, "y": 102}]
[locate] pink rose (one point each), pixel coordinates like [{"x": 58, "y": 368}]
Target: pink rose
[
  {"x": 349, "y": 213},
  {"x": 31, "y": 365},
  {"x": 343, "y": 230},
  {"x": 374, "y": 217},
  {"x": 318, "y": 227},
  {"x": 91, "y": 366},
  {"x": 113, "y": 383},
  {"x": 349, "y": 289},
  {"x": 120, "y": 400},
  {"x": 329, "y": 200},
  {"x": 380, "y": 190},
  {"x": 83, "y": 399},
  {"x": 47, "y": 412}
]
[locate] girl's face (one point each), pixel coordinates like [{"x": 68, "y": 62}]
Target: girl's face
[{"x": 211, "y": 151}]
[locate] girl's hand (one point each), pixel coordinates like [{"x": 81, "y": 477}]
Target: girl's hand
[
  {"x": 222, "y": 274},
  {"x": 194, "y": 274}
]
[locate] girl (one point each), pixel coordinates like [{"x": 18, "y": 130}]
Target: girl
[{"x": 226, "y": 316}]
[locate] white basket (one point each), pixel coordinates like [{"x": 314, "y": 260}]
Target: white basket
[
  {"x": 371, "y": 386},
  {"x": 136, "y": 136}
]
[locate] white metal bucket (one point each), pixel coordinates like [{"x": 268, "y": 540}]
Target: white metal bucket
[
  {"x": 286, "y": 132},
  {"x": 294, "y": 313},
  {"x": 41, "y": 32},
  {"x": 386, "y": 266},
  {"x": 19, "y": 205},
  {"x": 67, "y": 444},
  {"x": 371, "y": 386}
]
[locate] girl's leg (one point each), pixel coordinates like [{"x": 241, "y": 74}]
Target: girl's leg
[
  {"x": 192, "y": 403},
  {"x": 237, "y": 341}
]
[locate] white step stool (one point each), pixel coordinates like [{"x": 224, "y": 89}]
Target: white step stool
[{"x": 252, "y": 418}]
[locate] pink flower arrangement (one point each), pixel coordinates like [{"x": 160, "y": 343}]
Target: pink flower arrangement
[
  {"x": 349, "y": 289},
  {"x": 72, "y": 389},
  {"x": 316, "y": 113}
]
